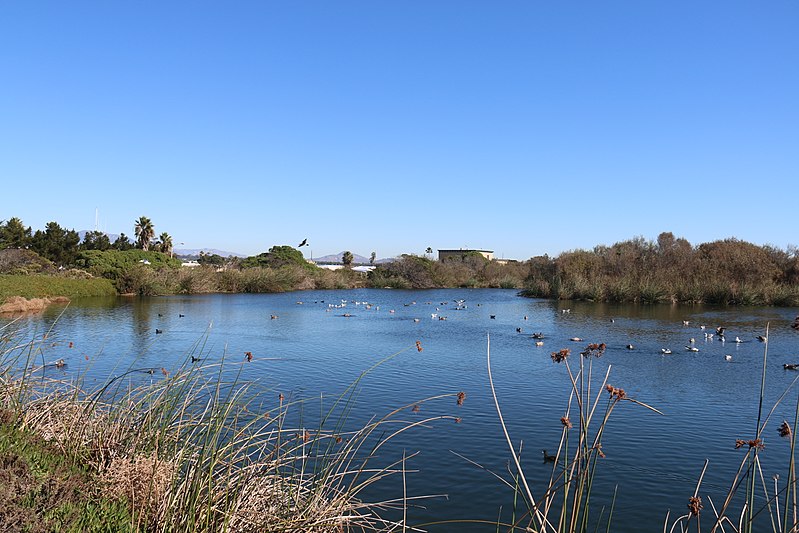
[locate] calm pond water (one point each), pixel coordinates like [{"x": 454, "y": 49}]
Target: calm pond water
[{"x": 311, "y": 349}]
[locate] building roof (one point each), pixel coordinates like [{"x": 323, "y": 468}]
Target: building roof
[{"x": 465, "y": 250}]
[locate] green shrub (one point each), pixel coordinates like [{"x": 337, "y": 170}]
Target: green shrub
[
  {"x": 277, "y": 257},
  {"x": 651, "y": 293},
  {"x": 784, "y": 296},
  {"x": 112, "y": 263}
]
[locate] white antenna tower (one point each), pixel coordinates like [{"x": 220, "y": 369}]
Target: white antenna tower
[{"x": 96, "y": 219}]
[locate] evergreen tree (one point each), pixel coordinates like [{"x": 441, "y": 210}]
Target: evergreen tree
[
  {"x": 95, "y": 240},
  {"x": 13, "y": 234},
  {"x": 56, "y": 244},
  {"x": 122, "y": 243}
]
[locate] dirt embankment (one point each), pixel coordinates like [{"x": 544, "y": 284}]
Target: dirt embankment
[{"x": 18, "y": 304}]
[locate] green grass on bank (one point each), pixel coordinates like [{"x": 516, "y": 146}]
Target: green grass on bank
[
  {"x": 42, "y": 286},
  {"x": 43, "y": 490}
]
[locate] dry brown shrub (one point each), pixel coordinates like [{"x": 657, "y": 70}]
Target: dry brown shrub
[
  {"x": 18, "y": 304},
  {"x": 305, "y": 284},
  {"x": 270, "y": 503},
  {"x": 141, "y": 480},
  {"x": 90, "y": 433}
]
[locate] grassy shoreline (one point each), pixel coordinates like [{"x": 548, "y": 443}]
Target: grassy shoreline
[
  {"x": 42, "y": 286},
  {"x": 409, "y": 273},
  {"x": 190, "y": 448}
]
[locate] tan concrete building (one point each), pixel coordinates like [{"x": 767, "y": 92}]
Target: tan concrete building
[{"x": 444, "y": 255}]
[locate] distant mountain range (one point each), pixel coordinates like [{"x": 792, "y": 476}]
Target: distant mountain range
[
  {"x": 195, "y": 252},
  {"x": 111, "y": 236},
  {"x": 356, "y": 259}
]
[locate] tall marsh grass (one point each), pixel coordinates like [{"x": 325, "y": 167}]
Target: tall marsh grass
[{"x": 197, "y": 448}]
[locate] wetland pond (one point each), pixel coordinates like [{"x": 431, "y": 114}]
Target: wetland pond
[{"x": 321, "y": 341}]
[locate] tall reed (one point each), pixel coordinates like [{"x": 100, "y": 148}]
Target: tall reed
[
  {"x": 763, "y": 507},
  {"x": 564, "y": 505},
  {"x": 197, "y": 448}
]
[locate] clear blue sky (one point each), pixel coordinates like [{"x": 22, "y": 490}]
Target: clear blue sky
[{"x": 522, "y": 127}]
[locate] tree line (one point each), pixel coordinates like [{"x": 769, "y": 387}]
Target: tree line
[
  {"x": 61, "y": 246},
  {"x": 668, "y": 269}
]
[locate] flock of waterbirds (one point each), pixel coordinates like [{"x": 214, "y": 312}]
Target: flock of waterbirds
[
  {"x": 709, "y": 333},
  {"x": 460, "y": 304}
]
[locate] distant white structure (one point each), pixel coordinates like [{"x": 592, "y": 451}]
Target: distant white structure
[
  {"x": 360, "y": 268},
  {"x": 190, "y": 264}
]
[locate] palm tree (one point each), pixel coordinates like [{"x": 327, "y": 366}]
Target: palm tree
[
  {"x": 347, "y": 259},
  {"x": 144, "y": 233},
  {"x": 372, "y": 258},
  {"x": 428, "y": 251},
  {"x": 166, "y": 243}
]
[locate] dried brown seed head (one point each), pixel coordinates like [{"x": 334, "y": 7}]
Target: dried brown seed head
[
  {"x": 461, "y": 397},
  {"x": 561, "y": 355},
  {"x": 694, "y": 505}
]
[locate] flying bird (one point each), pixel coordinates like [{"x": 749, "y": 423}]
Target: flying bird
[{"x": 303, "y": 243}]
